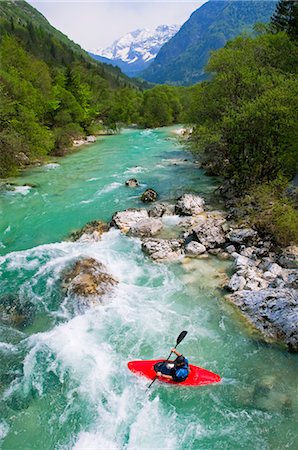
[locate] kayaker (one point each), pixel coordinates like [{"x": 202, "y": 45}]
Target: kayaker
[{"x": 177, "y": 370}]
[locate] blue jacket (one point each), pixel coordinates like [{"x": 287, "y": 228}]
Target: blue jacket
[{"x": 181, "y": 373}]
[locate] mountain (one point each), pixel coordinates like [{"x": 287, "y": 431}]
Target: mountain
[
  {"x": 182, "y": 59},
  {"x": 137, "y": 49}
]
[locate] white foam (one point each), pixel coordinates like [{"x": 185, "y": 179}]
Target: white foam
[
  {"x": 22, "y": 190},
  {"x": 135, "y": 169},
  {"x": 4, "y": 429},
  {"x": 93, "y": 179},
  {"x": 109, "y": 187},
  {"x": 51, "y": 166}
]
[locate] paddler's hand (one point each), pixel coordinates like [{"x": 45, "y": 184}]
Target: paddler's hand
[{"x": 159, "y": 374}]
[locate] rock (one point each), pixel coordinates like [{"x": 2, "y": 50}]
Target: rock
[
  {"x": 275, "y": 269},
  {"x": 237, "y": 283},
  {"x": 150, "y": 195},
  {"x": 16, "y": 312},
  {"x": 274, "y": 312},
  {"x": 194, "y": 248},
  {"x": 242, "y": 262},
  {"x": 23, "y": 159},
  {"x": 163, "y": 249},
  {"x": 91, "y": 139},
  {"x": 124, "y": 220},
  {"x": 289, "y": 258},
  {"x": 240, "y": 236},
  {"x": 132, "y": 182},
  {"x": 88, "y": 277},
  {"x": 208, "y": 229},
  {"x": 249, "y": 252},
  {"x": 231, "y": 249},
  {"x": 161, "y": 209},
  {"x": 189, "y": 205},
  {"x": 146, "y": 227},
  {"x": 92, "y": 231}
]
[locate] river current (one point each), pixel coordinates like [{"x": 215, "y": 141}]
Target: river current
[{"x": 64, "y": 382}]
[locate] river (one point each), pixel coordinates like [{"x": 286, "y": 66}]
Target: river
[{"x": 64, "y": 382}]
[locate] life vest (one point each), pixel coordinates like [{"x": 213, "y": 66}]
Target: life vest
[{"x": 181, "y": 373}]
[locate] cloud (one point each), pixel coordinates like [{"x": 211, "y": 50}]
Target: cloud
[{"x": 96, "y": 24}]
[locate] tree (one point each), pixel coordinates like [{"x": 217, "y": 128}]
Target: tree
[{"x": 285, "y": 18}]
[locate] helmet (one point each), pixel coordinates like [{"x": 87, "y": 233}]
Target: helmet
[{"x": 180, "y": 361}]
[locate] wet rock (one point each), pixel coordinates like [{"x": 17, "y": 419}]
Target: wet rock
[
  {"x": 132, "y": 182},
  {"x": 124, "y": 220},
  {"x": 241, "y": 236},
  {"x": 194, "y": 249},
  {"x": 90, "y": 139},
  {"x": 161, "y": 209},
  {"x": 146, "y": 227},
  {"x": 88, "y": 278},
  {"x": 189, "y": 205},
  {"x": 92, "y": 231},
  {"x": 231, "y": 249},
  {"x": 150, "y": 195},
  {"x": 163, "y": 249},
  {"x": 274, "y": 312}
]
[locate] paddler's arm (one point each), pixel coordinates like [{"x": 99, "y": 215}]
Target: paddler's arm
[
  {"x": 175, "y": 351},
  {"x": 159, "y": 374}
]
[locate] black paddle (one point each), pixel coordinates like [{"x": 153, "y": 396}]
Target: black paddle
[{"x": 179, "y": 339}]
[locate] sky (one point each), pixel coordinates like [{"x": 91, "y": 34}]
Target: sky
[{"x": 97, "y": 24}]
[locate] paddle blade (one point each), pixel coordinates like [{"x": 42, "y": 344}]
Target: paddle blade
[{"x": 181, "y": 337}]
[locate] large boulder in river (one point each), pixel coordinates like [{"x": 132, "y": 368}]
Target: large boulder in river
[
  {"x": 124, "y": 220},
  {"x": 163, "y": 249},
  {"x": 194, "y": 248},
  {"x": 146, "y": 227},
  {"x": 150, "y": 195},
  {"x": 189, "y": 205},
  {"x": 274, "y": 312},
  {"x": 92, "y": 231},
  {"x": 88, "y": 278}
]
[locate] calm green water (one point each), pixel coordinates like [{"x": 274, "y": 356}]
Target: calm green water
[{"x": 63, "y": 377}]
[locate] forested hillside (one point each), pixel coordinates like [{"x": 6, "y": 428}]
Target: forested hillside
[
  {"x": 246, "y": 123},
  {"x": 181, "y": 61},
  {"x": 51, "y": 91}
]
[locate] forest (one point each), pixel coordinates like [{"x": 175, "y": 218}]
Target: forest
[{"x": 246, "y": 123}]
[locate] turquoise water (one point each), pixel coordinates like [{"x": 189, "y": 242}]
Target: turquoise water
[{"x": 63, "y": 377}]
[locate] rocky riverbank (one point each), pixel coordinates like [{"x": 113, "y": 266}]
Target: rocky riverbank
[{"x": 264, "y": 285}]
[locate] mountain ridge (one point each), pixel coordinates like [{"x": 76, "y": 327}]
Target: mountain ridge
[
  {"x": 134, "y": 51},
  {"x": 182, "y": 59}
]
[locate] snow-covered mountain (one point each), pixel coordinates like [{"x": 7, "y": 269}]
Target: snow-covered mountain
[{"x": 137, "y": 49}]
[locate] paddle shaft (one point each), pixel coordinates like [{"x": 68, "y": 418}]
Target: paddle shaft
[{"x": 179, "y": 339}]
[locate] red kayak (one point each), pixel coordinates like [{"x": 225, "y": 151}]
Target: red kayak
[{"x": 197, "y": 376}]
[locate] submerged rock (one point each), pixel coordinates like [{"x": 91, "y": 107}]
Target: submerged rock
[
  {"x": 88, "y": 278},
  {"x": 274, "y": 312},
  {"x": 15, "y": 312},
  {"x": 163, "y": 249},
  {"x": 150, "y": 195},
  {"x": 91, "y": 231},
  {"x": 189, "y": 205}
]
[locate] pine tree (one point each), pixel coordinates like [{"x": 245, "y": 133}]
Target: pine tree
[{"x": 285, "y": 17}]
